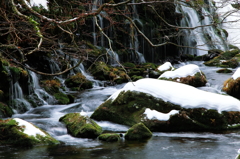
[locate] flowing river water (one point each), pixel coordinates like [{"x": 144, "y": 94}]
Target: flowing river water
[{"x": 180, "y": 145}]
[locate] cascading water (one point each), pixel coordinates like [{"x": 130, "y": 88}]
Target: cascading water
[
  {"x": 43, "y": 97},
  {"x": 204, "y": 38},
  {"x": 18, "y": 103}
]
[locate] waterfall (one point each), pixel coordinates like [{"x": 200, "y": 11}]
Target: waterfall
[
  {"x": 139, "y": 56},
  {"x": 201, "y": 37},
  {"x": 41, "y": 94},
  {"x": 18, "y": 103}
]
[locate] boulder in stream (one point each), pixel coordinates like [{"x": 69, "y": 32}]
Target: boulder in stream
[
  {"x": 189, "y": 74},
  {"x": 167, "y": 106},
  {"x": 109, "y": 137},
  {"x": 232, "y": 85},
  {"x": 18, "y": 132},
  {"x": 138, "y": 132},
  {"x": 81, "y": 126}
]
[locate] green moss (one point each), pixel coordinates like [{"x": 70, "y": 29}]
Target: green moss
[
  {"x": 232, "y": 87},
  {"x": 224, "y": 70},
  {"x": 62, "y": 98},
  {"x": 15, "y": 72},
  {"x": 51, "y": 86},
  {"x": 12, "y": 134},
  {"x": 225, "y": 59},
  {"x": 129, "y": 65},
  {"x": 80, "y": 126},
  {"x": 78, "y": 81},
  {"x": 198, "y": 80},
  {"x": 5, "y": 110},
  {"x": 109, "y": 137},
  {"x": 129, "y": 106},
  {"x": 138, "y": 132},
  {"x": 135, "y": 78}
]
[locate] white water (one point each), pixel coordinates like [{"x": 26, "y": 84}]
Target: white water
[
  {"x": 197, "y": 37},
  {"x": 231, "y": 21}
]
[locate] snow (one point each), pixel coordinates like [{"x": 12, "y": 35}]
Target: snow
[
  {"x": 153, "y": 114},
  {"x": 39, "y": 2},
  {"x": 29, "y": 128},
  {"x": 181, "y": 94},
  {"x": 184, "y": 71},
  {"x": 165, "y": 66},
  {"x": 236, "y": 74},
  {"x": 232, "y": 21}
]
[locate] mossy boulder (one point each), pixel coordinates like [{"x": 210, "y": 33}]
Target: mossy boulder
[
  {"x": 129, "y": 107},
  {"x": 188, "y": 74},
  {"x": 5, "y": 110},
  {"x": 61, "y": 98},
  {"x": 18, "y": 132},
  {"x": 138, "y": 132},
  {"x": 101, "y": 71},
  {"x": 51, "y": 86},
  {"x": 227, "y": 59},
  {"x": 81, "y": 126},
  {"x": 224, "y": 70},
  {"x": 232, "y": 87},
  {"x": 78, "y": 82},
  {"x": 109, "y": 137}
]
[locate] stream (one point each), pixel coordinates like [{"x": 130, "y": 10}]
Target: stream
[{"x": 181, "y": 145}]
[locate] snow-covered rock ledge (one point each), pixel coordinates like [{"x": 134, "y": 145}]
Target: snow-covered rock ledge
[{"x": 193, "y": 109}]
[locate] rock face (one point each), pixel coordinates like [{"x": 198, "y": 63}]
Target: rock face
[
  {"x": 80, "y": 126},
  {"x": 196, "y": 110},
  {"x": 188, "y": 74},
  {"x": 138, "y": 132},
  {"x": 18, "y": 132}
]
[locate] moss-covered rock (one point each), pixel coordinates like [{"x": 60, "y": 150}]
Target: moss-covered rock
[
  {"x": 62, "y": 98},
  {"x": 224, "y": 70},
  {"x": 16, "y": 132},
  {"x": 138, "y": 132},
  {"x": 78, "y": 82},
  {"x": 5, "y": 111},
  {"x": 109, "y": 137},
  {"x": 129, "y": 108},
  {"x": 101, "y": 71},
  {"x": 226, "y": 59},
  {"x": 232, "y": 87},
  {"x": 80, "y": 126},
  {"x": 188, "y": 74},
  {"x": 51, "y": 86}
]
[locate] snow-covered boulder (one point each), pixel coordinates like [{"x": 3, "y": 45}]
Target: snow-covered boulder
[
  {"x": 232, "y": 85},
  {"x": 81, "y": 126},
  {"x": 169, "y": 106},
  {"x": 189, "y": 74},
  {"x": 19, "y": 132},
  {"x": 167, "y": 66}
]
